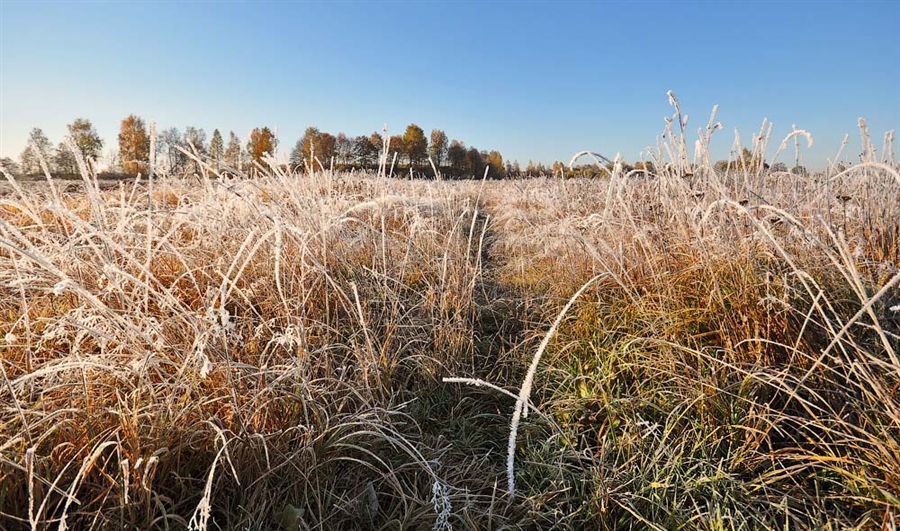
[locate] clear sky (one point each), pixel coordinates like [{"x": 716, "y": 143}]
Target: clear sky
[{"x": 533, "y": 79}]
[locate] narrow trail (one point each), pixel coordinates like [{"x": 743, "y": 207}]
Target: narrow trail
[{"x": 503, "y": 314}]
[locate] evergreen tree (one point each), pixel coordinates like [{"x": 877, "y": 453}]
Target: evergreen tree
[
  {"x": 233, "y": 156},
  {"x": 216, "y": 149}
]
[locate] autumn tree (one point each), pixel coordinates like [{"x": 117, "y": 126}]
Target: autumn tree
[
  {"x": 310, "y": 146},
  {"x": 745, "y": 162},
  {"x": 38, "y": 148},
  {"x": 558, "y": 169},
  {"x": 233, "y": 153},
  {"x": 262, "y": 142},
  {"x": 86, "y": 139},
  {"x": 395, "y": 145},
  {"x": 305, "y": 148},
  {"x": 327, "y": 142},
  {"x": 314, "y": 145},
  {"x": 216, "y": 149},
  {"x": 474, "y": 163},
  {"x": 377, "y": 140},
  {"x": 365, "y": 152},
  {"x": 645, "y": 166},
  {"x": 438, "y": 148},
  {"x": 134, "y": 145},
  {"x": 456, "y": 155},
  {"x": 415, "y": 145},
  {"x": 610, "y": 167},
  {"x": 495, "y": 161}
]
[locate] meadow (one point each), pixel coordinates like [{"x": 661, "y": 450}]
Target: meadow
[{"x": 689, "y": 349}]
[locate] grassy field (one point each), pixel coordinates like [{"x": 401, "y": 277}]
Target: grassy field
[{"x": 695, "y": 350}]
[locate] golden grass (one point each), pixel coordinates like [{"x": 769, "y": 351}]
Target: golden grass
[{"x": 242, "y": 353}]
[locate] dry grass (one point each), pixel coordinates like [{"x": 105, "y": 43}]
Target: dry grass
[{"x": 255, "y": 353}]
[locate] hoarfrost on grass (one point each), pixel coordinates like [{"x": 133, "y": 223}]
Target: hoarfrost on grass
[{"x": 63, "y": 286}]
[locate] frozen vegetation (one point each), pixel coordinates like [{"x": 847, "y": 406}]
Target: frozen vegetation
[{"x": 296, "y": 350}]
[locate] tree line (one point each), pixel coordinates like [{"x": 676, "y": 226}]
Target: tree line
[
  {"x": 178, "y": 152},
  {"x": 411, "y": 153}
]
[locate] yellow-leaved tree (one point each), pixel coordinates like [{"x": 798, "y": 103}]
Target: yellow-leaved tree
[
  {"x": 415, "y": 144},
  {"x": 134, "y": 145},
  {"x": 262, "y": 142}
]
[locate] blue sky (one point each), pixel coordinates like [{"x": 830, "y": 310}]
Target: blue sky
[{"x": 534, "y": 80}]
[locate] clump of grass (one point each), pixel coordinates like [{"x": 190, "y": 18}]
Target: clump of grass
[
  {"x": 733, "y": 353},
  {"x": 223, "y": 348}
]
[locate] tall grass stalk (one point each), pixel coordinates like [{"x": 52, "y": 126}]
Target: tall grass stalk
[{"x": 520, "y": 410}]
